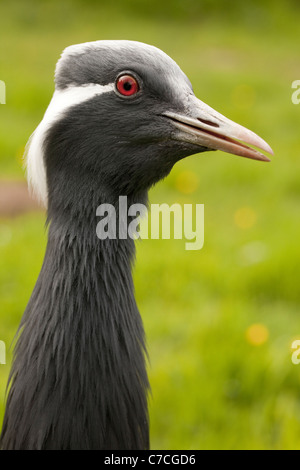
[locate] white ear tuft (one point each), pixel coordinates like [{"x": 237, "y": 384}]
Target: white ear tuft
[
  {"x": 61, "y": 102},
  {"x": 35, "y": 167}
]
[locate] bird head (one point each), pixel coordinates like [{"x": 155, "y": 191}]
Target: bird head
[{"x": 122, "y": 114}]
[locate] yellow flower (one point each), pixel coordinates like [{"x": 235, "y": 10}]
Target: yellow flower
[
  {"x": 257, "y": 334},
  {"x": 187, "y": 182},
  {"x": 245, "y": 217}
]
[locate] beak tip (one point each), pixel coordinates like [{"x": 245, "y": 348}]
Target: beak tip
[
  {"x": 260, "y": 156},
  {"x": 268, "y": 149}
]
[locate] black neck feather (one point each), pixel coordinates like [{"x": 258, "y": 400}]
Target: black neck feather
[{"x": 79, "y": 379}]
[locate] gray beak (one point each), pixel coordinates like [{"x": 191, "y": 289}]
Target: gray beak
[{"x": 204, "y": 126}]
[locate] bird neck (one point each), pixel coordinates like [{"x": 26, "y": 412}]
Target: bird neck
[{"x": 80, "y": 357}]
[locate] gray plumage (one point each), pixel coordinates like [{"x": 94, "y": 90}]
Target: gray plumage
[{"x": 78, "y": 379}]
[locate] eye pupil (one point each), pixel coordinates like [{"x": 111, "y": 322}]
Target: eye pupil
[{"x": 127, "y": 85}]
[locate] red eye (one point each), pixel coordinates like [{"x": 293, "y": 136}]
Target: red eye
[{"x": 127, "y": 85}]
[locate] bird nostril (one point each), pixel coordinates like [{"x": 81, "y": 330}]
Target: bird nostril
[{"x": 209, "y": 123}]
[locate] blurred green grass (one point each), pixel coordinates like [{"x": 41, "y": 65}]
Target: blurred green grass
[{"x": 212, "y": 385}]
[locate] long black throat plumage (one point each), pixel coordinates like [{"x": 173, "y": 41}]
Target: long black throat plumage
[{"x": 79, "y": 377}]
